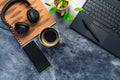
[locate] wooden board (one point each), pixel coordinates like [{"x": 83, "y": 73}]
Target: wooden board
[{"x": 17, "y": 13}]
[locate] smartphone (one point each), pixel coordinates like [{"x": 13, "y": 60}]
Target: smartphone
[{"x": 36, "y": 56}]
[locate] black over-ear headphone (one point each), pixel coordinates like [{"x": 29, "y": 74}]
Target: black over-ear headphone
[{"x": 21, "y": 27}]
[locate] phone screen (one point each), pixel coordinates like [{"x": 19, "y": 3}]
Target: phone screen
[{"x": 36, "y": 56}]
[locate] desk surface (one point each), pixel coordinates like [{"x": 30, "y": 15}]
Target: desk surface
[{"x": 75, "y": 58}]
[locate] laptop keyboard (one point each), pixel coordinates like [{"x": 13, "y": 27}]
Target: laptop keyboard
[{"x": 104, "y": 13}]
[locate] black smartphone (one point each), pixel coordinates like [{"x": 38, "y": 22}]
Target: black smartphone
[{"x": 36, "y": 56}]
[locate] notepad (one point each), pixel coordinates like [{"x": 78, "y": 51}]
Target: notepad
[{"x": 17, "y": 13}]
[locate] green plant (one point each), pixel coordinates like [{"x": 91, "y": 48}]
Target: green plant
[{"x": 56, "y": 4}]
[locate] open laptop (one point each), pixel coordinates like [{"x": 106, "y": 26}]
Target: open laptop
[{"x": 102, "y": 17}]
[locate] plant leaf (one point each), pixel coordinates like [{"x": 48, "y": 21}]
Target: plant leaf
[
  {"x": 60, "y": 4},
  {"x": 62, "y": 13},
  {"x": 68, "y": 16},
  {"x": 65, "y": 4},
  {"x": 79, "y": 9},
  {"x": 48, "y": 4},
  {"x": 68, "y": 0},
  {"x": 53, "y": 10}
]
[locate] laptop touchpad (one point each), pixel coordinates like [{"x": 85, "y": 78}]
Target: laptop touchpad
[{"x": 100, "y": 32}]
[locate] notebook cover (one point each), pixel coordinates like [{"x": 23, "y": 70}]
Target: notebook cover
[{"x": 17, "y": 13}]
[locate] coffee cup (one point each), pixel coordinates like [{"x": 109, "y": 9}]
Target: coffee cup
[{"x": 49, "y": 37}]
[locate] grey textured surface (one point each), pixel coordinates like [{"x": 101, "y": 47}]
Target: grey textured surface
[{"x": 75, "y": 58}]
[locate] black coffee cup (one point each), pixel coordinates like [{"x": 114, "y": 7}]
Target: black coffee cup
[{"x": 49, "y": 37}]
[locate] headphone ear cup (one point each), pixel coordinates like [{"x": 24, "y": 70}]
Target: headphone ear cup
[
  {"x": 21, "y": 27},
  {"x": 33, "y": 15}
]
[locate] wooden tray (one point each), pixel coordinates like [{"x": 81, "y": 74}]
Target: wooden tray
[{"x": 17, "y": 13}]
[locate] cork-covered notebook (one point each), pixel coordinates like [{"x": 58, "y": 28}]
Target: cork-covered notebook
[{"x": 17, "y": 13}]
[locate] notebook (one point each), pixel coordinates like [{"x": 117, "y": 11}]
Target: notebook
[{"x": 17, "y": 13}]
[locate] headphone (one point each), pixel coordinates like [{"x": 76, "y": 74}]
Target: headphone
[{"x": 21, "y": 27}]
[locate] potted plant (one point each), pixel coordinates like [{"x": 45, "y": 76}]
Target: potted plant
[{"x": 61, "y": 6}]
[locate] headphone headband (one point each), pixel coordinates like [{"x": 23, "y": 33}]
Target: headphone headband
[{"x": 7, "y": 6}]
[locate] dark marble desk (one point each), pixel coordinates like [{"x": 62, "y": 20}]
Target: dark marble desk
[{"x": 75, "y": 58}]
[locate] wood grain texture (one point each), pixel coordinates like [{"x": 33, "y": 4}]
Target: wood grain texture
[{"x": 17, "y": 13}]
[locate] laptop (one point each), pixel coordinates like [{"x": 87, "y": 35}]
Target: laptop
[{"x": 102, "y": 18}]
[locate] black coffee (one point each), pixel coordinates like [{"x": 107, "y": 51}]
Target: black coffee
[{"x": 50, "y": 36}]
